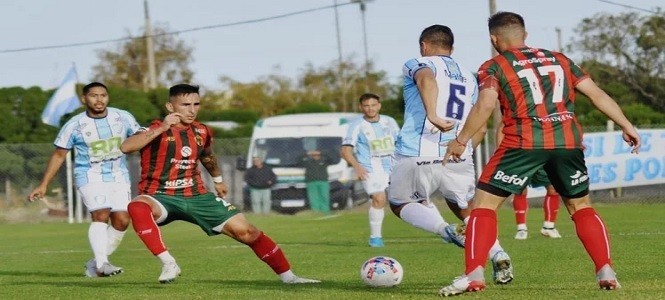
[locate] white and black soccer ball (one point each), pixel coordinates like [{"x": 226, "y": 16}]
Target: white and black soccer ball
[{"x": 381, "y": 271}]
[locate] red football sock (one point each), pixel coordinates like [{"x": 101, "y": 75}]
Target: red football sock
[
  {"x": 145, "y": 226},
  {"x": 592, "y": 232},
  {"x": 481, "y": 234},
  {"x": 551, "y": 207},
  {"x": 270, "y": 253},
  {"x": 520, "y": 205}
]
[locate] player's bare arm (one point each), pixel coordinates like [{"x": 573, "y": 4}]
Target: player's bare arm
[
  {"x": 54, "y": 164},
  {"x": 209, "y": 161},
  {"x": 605, "y": 104},
  {"x": 478, "y": 136},
  {"x": 142, "y": 138},
  {"x": 478, "y": 116},
  {"x": 347, "y": 154},
  {"x": 429, "y": 92}
]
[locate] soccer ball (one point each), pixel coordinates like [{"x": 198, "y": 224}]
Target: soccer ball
[{"x": 381, "y": 271}]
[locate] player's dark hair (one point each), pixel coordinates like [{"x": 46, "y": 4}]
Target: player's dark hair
[
  {"x": 367, "y": 96},
  {"x": 183, "y": 89},
  {"x": 505, "y": 19},
  {"x": 91, "y": 85},
  {"x": 439, "y": 35}
]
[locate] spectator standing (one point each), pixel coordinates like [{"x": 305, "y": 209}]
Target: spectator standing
[{"x": 260, "y": 178}]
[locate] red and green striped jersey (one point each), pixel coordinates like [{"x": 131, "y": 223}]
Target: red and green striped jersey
[
  {"x": 537, "y": 95},
  {"x": 169, "y": 164}
]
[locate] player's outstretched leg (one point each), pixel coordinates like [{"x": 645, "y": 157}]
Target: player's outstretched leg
[{"x": 149, "y": 233}]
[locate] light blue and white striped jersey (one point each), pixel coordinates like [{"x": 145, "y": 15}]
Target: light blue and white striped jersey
[
  {"x": 373, "y": 142},
  {"x": 96, "y": 143},
  {"x": 458, "y": 91}
]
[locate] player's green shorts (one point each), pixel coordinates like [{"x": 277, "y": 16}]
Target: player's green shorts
[
  {"x": 510, "y": 170},
  {"x": 539, "y": 179},
  {"x": 207, "y": 210}
]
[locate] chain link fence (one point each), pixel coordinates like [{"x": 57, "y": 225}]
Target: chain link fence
[{"x": 22, "y": 167}]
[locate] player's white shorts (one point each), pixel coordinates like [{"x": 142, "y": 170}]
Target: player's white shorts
[
  {"x": 417, "y": 178},
  {"x": 376, "y": 182},
  {"x": 100, "y": 195}
]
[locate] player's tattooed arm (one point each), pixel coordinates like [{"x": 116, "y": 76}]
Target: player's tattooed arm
[{"x": 209, "y": 162}]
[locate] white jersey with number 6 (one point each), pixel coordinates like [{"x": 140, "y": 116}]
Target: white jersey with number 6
[{"x": 458, "y": 91}]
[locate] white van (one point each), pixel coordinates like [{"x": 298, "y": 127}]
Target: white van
[{"x": 283, "y": 140}]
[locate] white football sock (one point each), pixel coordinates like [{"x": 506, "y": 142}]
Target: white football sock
[
  {"x": 166, "y": 257},
  {"x": 375, "y": 221},
  {"x": 495, "y": 248},
  {"x": 114, "y": 238},
  {"x": 423, "y": 217},
  {"x": 98, "y": 239},
  {"x": 547, "y": 224},
  {"x": 521, "y": 227},
  {"x": 287, "y": 276}
]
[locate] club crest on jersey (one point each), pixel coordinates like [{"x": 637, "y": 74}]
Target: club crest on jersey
[
  {"x": 170, "y": 139},
  {"x": 186, "y": 151},
  {"x": 199, "y": 140}
]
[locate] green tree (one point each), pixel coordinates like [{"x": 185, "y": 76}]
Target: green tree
[
  {"x": 629, "y": 47},
  {"x": 127, "y": 66}
]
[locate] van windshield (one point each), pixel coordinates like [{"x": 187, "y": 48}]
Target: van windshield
[{"x": 289, "y": 152}]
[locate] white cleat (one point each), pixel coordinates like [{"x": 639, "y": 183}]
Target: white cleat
[
  {"x": 550, "y": 232},
  {"x": 461, "y": 285},
  {"x": 108, "y": 269},
  {"x": 90, "y": 269},
  {"x": 170, "y": 271},
  {"x": 521, "y": 235},
  {"x": 298, "y": 280},
  {"x": 607, "y": 278}
]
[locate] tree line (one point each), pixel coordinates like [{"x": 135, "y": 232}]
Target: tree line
[{"x": 624, "y": 53}]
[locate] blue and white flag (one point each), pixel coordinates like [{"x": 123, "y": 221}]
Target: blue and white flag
[{"x": 63, "y": 101}]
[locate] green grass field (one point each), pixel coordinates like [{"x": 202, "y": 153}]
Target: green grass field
[{"x": 45, "y": 261}]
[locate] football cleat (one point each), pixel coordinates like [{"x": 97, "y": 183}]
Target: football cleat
[
  {"x": 460, "y": 285},
  {"x": 90, "y": 269},
  {"x": 454, "y": 234},
  {"x": 376, "y": 242},
  {"x": 521, "y": 235},
  {"x": 170, "y": 271},
  {"x": 502, "y": 268},
  {"x": 607, "y": 278},
  {"x": 550, "y": 232},
  {"x": 298, "y": 280},
  {"x": 108, "y": 269}
]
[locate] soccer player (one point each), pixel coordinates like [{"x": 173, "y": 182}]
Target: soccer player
[
  {"x": 100, "y": 172},
  {"x": 369, "y": 147},
  {"x": 171, "y": 187},
  {"x": 536, "y": 89},
  {"x": 550, "y": 208},
  {"x": 438, "y": 95}
]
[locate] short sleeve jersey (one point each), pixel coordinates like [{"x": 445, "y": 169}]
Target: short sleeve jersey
[
  {"x": 458, "y": 92},
  {"x": 373, "y": 142},
  {"x": 96, "y": 143},
  {"x": 169, "y": 164},
  {"x": 537, "y": 95}
]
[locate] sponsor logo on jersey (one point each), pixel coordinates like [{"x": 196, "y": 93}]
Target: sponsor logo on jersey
[
  {"x": 186, "y": 151},
  {"x": 179, "y": 183},
  {"x": 555, "y": 117},
  {"x": 183, "y": 164},
  {"x": 578, "y": 177},
  {"x": 533, "y": 60},
  {"x": 511, "y": 179}
]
